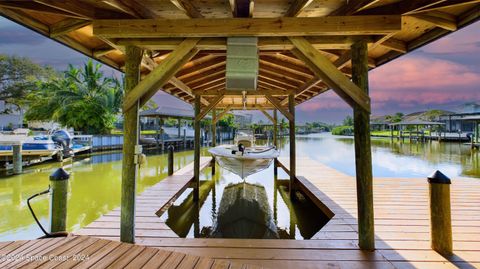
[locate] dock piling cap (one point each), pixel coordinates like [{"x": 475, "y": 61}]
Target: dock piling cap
[
  {"x": 59, "y": 175},
  {"x": 439, "y": 178}
]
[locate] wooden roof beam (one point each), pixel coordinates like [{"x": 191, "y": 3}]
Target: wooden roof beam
[
  {"x": 212, "y": 104},
  {"x": 401, "y": 7},
  {"x": 297, "y": 7},
  {"x": 261, "y": 91},
  {"x": 279, "y": 107},
  {"x": 66, "y": 26},
  {"x": 395, "y": 44},
  {"x": 221, "y": 114},
  {"x": 102, "y": 52},
  {"x": 285, "y": 26},
  {"x": 187, "y": 7},
  {"x": 268, "y": 116},
  {"x": 184, "y": 88},
  {"x": 146, "y": 88},
  {"x": 329, "y": 74}
]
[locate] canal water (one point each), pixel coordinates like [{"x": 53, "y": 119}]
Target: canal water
[{"x": 95, "y": 188}]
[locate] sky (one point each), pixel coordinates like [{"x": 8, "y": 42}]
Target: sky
[{"x": 442, "y": 75}]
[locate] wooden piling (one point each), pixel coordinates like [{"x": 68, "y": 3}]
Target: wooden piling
[
  {"x": 275, "y": 142},
  {"x": 363, "y": 154},
  {"x": 196, "y": 155},
  {"x": 170, "y": 160},
  {"x": 291, "y": 108},
  {"x": 440, "y": 213},
  {"x": 17, "y": 159},
  {"x": 133, "y": 58},
  {"x": 58, "y": 203},
  {"x": 214, "y": 136}
]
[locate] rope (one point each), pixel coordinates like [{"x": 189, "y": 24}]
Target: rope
[{"x": 47, "y": 234}]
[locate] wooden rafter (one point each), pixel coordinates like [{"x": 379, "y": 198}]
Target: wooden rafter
[
  {"x": 352, "y": 6},
  {"x": 82, "y": 10},
  {"x": 161, "y": 74},
  {"x": 66, "y": 26},
  {"x": 329, "y": 74},
  {"x": 401, "y": 7},
  {"x": 438, "y": 19},
  {"x": 187, "y": 7},
  {"x": 447, "y": 4},
  {"x": 297, "y": 7},
  {"x": 184, "y": 88},
  {"x": 207, "y": 109},
  {"x": 102, "y": 52},
  {"x": 285, "y": 26},
  {"x": 266, "y": 114},
  {"x": 36, "y": 7}
]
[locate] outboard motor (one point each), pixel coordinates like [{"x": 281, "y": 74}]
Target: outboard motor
[{"x": 65, "y": 141}]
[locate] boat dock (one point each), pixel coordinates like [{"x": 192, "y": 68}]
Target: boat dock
[{"x": 402, "y": 226}]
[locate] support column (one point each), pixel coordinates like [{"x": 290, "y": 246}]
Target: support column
[
  {"x": 275, "y": 143},
  {"x": 196, "y": 155},
  {"x": 363, "y": 154},
  {"x": 179, "y": 128},
  {"x": 130, "y": 150},
  {"x": 214, "y": 136},
  {"x": 291, "y": 108}
]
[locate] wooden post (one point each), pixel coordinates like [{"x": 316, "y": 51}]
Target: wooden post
[
  {"x": 196, "y": 155},
  {"x": 477, "y": 132},
  {"x": 214, "y": 136},
  {"x": 130, "y": 148},
  {"x": 58, "y": 206},
  {"x": 184, "y": 138},
  {"x": 275, "y": 143},
  {"x": 291, "y": 108},
  {"x": 17, "y": 159},
  {"x": 363, "y": 154},
  {"x": 170, "y": 160},
  {"x": 440, "y": 213},
  {"x": 179, "y": 128}
]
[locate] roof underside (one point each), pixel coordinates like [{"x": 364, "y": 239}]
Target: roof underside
[{"x": 280, "y": 73}]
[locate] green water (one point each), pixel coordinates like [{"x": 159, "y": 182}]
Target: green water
[{"x": 95, "y": 183}]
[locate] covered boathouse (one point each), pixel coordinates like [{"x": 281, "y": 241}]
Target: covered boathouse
[{"x": 304, "y": 48}]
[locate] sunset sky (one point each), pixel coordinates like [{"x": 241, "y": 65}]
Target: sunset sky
[{"x": 442, "y": 75}]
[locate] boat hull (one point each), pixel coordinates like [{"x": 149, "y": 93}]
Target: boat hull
[{"x": 252, "y": 161}]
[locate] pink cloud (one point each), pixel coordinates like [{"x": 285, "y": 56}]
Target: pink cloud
[
  {"x": 324, "y": 101},
  {"x": 459, "y": 42},
  {"x": 423, "y": 73}
]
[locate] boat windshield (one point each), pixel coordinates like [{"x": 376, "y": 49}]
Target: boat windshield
[{"x": 244, "y": 132}]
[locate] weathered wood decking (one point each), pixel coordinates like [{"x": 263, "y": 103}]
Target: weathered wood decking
[
  {"x": 90, "y": 252},
  {"x": 401, "y": 228}
]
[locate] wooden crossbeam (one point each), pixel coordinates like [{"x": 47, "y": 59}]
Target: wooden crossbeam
[
  {"x": 264, "y": 43},
  {"x": 102, "y": 52},
  {"x": 305, "y": 87},
  {"x": 259, "y": 92},
  {"x": 188, "y": 8},
  {"x": 395, "y": 44},
  {"x": 284, "y": 26},
  {"x": 279, "y": 107},
  {"x": 207, "y": 109},
  {"x": 401, "y": 7},
  {"x": 330, "y": 75},
  {"x": 297, "y": 7},
  {"x": 184, "y": 88},
  {"x": 221, "y": 114},
  {"x": 121, "y": 6},
  {"x": 161, "y": 74},
  {"x": 66, "y": 26}
]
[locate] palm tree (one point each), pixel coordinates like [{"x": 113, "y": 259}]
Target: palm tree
[{"x": 83, "y": 99}]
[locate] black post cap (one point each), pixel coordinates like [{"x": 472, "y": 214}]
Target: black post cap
[
  {"x": 59, "y": 175},
  {"x": 171, "y": 148},
  {"x": 439, "y": 178}
]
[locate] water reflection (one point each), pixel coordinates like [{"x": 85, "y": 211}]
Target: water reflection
[{"x": 245, "y": 209}]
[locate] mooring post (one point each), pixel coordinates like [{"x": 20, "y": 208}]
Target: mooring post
[
  {"x": 214, "y": 136},
  {"x": 196, "y": 154},
  {"x": 58, "y": 202},
  {"x": 363, "y": 153},
  {"x": 184, "y": 138},
  {"x": 440, "y": 213},
  {"x": 17, "y": 159},
  {"x": 293, "y": 154},
  {"x": 275, "y": 142},
  {"x": 170, "y": 160}
]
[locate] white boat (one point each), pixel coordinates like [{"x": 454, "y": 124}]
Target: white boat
[{"x": 244, "y": 158}]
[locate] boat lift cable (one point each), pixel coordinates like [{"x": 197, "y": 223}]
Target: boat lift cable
[{"x": 47, "y": 234}]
